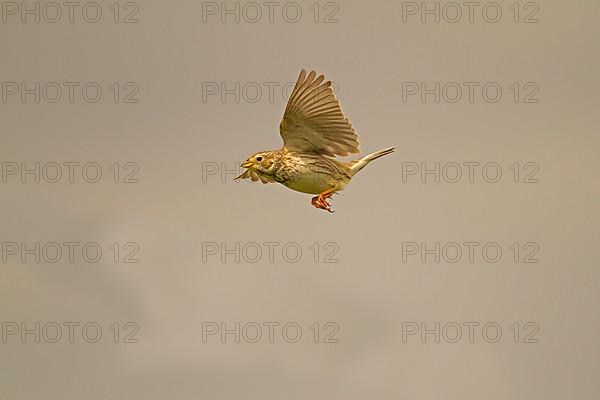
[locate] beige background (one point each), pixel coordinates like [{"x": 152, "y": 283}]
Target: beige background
[{"x": 170, "y": 133}]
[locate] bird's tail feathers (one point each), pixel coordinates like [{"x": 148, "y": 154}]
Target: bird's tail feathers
[{"x": 357, "y": 165}]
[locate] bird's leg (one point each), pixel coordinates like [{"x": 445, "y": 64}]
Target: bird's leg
[
  {"x": 322, "y": 204},
  {"x": 320, "y": 201}
]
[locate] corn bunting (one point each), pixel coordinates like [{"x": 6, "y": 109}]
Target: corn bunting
[{"x": 314, "y": 131}]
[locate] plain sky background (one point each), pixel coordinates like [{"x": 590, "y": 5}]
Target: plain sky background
[{"x": 172, "y": 56}]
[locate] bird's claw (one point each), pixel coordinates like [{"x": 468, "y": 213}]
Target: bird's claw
[{"x": 320, "y": 201}]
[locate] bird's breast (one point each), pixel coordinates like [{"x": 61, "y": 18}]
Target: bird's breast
[{"x": 309, "y": 173}]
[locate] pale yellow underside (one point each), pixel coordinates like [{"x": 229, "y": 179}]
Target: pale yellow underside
[{"x": 315, "y": 184}]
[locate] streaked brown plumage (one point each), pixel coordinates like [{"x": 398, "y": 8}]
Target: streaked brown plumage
[{"x": 314, "y": 130}]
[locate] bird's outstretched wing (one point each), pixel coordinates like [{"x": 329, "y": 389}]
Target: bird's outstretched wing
[{"x": 313, "y": 120}]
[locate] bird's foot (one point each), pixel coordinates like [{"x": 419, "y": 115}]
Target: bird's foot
[{"x": 320, "y": 201}]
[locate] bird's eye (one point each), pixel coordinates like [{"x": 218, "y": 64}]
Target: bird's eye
[{"x": 259, "y": 158}]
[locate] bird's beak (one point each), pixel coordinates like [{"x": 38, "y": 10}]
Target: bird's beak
[
  {"x": 246, "y": 164},
  {"x": 244, "y": 175}
]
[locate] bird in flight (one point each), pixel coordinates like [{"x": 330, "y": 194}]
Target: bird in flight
[{"x": 314, "y": 131}]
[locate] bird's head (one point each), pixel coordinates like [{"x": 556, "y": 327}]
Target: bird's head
[
  {"x": 257, "y": 161},
  {"x": 256, "y": 164}
]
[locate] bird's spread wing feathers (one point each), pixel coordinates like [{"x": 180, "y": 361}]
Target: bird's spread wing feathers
[{"x": 313, "y": 120}]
